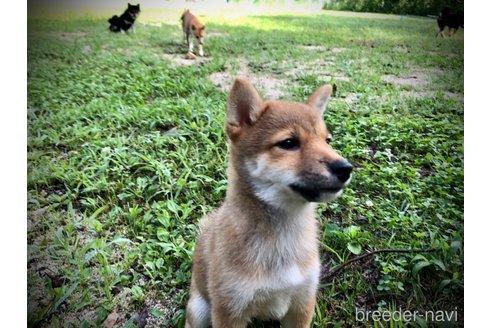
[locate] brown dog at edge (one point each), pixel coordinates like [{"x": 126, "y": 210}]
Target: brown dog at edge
[
  {"x": 192, "y": 27},
  {"x": 257, "y": 255}
]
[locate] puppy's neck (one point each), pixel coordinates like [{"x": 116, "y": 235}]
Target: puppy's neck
[
  {"x": 243, "y": 197},
  {"x": 287, "y": 237}
]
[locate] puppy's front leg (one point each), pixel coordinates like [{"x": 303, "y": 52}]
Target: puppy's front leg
[
  {"x": 197, "y": 310},
  {"x": 190, "y": 44},
  {"x": 300, "y": 314},
  {"x": 221, "y": 318},
  {"x": 200, "y": 47}
]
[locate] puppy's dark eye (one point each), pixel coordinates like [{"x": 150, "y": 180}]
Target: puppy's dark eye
[
  {"x": 289, "y": 144},
  {"x": 328, "y": 140}
]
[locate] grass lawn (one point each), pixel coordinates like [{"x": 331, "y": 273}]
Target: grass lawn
[{"x": 126, "y": 151}]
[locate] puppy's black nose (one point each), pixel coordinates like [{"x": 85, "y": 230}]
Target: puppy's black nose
[{"x": 341, "y": 169}]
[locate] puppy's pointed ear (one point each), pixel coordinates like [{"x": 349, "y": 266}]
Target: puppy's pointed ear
[
  {"x": 244, "y": 107},
  {"x": 319, "y": 98}
]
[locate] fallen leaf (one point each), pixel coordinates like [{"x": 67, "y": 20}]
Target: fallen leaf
[{"x": 110, "y": 320}]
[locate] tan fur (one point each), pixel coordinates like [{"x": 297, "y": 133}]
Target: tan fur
[
  {"x": 257, "y": 255},
  {"x": 192, "y": 27}
]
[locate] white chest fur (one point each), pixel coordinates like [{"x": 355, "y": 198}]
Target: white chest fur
[
  {"x": 271, "y": 296},
  {"x": 288, "y": 285}
]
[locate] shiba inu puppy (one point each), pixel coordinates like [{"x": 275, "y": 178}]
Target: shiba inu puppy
[
  {"x": 257, "y": 255},
  {"x": 192, "y": 26},
  {"x": 126, "y": 21}
]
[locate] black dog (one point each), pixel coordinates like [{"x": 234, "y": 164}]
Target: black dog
[
  {"x": 451, "y": 20},
  {"x": 126, "y": 21}
]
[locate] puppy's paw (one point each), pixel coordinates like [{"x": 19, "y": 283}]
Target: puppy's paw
[{"x": 190, "y": 56}]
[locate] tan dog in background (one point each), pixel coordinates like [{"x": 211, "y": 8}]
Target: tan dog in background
[
  {"x": 192, "y": 26},
  {"x": 257, "y": 255}
]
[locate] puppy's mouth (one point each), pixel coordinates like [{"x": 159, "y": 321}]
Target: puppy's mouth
[{"x": 314, "y": 194}]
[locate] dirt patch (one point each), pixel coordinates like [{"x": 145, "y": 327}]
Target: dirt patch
[
  {"x": 455, "y": 96},
  {"x": 314, "y": 48},
  {"x": 446, "y": 54},
  {"x": 114, "y": 51},
  {"x": 318, "y": 67},
  {"x": 215, "y": 34},
  {"x": 418, "y": 77},
  {"x": 162, "y": 306},
  {"x": 33, "y": 217},
  {"x": 364, "y": 43},
  {"x": 67, "y": 36},
  {"x": 341, "y": 77},
  {"x": 323, "y": 69},
  {"x": 86, "y": 49},
  {"x": 401, "y": 49},
  {"x": 420, "y": 94},
  {"x": 326, "y": 76},
  {"x": 70, "y": 35},
  {"x": 415, "y": 79},
  {"x": 416, "y": 94},
  {"x": 348, "y": 98},
  {"x": 157, "y": 24},
  {"x": 272, "y": 86},
  {"x": 337, "y": 50},
  {"x": 268, "y": 85},
  {"x": 127, "y": 52},
  {"x": 69, "y": 319},
  {"x": 179, "y": 59},
  {"x": 222, "y": 80}
]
